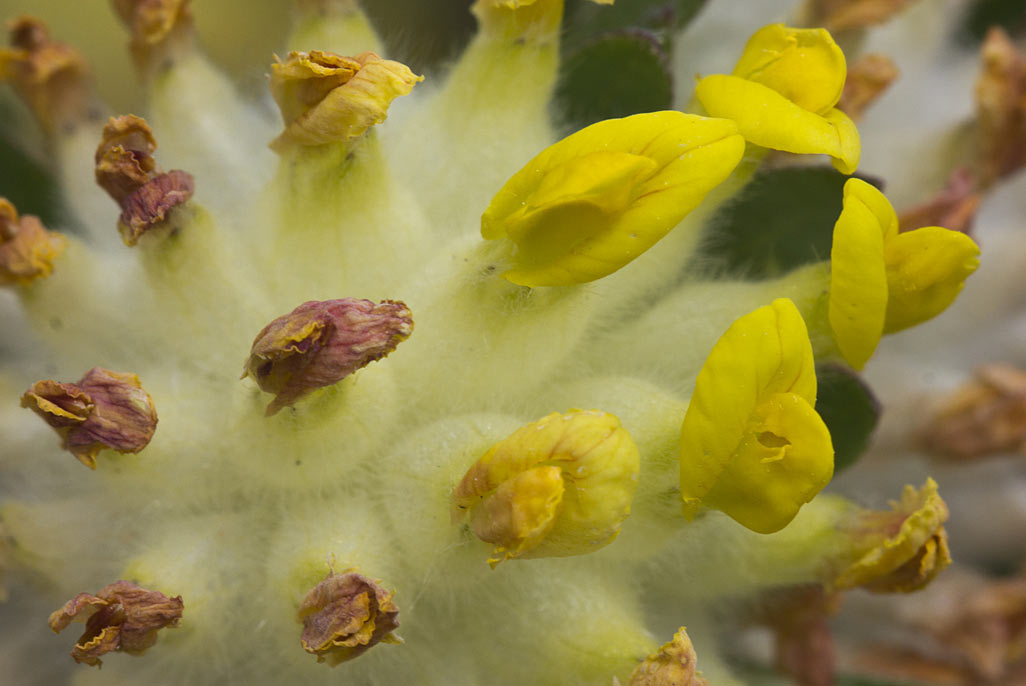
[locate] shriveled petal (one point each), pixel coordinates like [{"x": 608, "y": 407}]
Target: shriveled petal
[
  {"x": 926, "y": 270},
  {"x": 901, "y": 550},
  {"x": 858, "y": 277},
  {"x": 767, "y": 118},
  {"x": 594, "y": 201},
  {"x": 326, "y": 98},
  {"x": 804, "y": 65},
  {"x": 345, "y": 615},
  {"x": 121, "y": 617},
  {"x": 751, "y": 443}
]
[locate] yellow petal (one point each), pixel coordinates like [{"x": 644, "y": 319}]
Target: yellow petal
[
  {"x": 858, "y": 279},
  {"x": 752, "y": 445},
  {"x": 767, "y": 118},
  {"x": 804, "y": 65},
  {"x": 926, "y": 270},
  {"x": 562, "y": 485},
  {"x": 594, "y": 201}
]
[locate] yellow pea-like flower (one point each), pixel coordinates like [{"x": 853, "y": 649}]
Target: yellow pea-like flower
[
  {"x": 589, "y": 204},
  {"x": 783, "y": 95},
  {"x": 882, "y": 281},
  {"x": 752, "y": 443},
  {"x": 560, "y": 486}
]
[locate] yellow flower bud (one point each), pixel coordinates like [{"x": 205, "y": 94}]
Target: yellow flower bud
[
  {"x": 783, "y": 94},
  {"x": 522, "y": 21},
  {"x": 594, "y": 201},
  {"x": 901, "y": 550},
  {"x": 752, "y": 444},
  {"x": 883, "y": 281},
  {"x": 559, "y": 486}
]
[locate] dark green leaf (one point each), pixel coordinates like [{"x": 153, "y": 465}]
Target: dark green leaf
[
  {"x": 586, "y": 20},
  {"x": 613, "y": 76},
  {"x": 781, "y": 220},
  {"x": 849, "y": 409},
  {"x": 982, "y": 14},
  {"x": 27, "y": 185}
]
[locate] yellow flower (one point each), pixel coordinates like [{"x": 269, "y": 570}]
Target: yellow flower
[
  {"x": 752, "y": 444},
  {"x": 783, "y": 94},
  {"x": 559, "y": 486},
  {"x": 882, "y": 281},
  {"x": 594, "y": 201}
]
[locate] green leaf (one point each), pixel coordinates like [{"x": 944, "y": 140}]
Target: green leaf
[
  {"x": 783, "y": 218},
  {"x": 982, "y": 14},
  {"x": 586, "y": 20},
  {"x": 614, "y": 76},
  {"x": 28, "y": 186},
  {"x": 848, "y": 408}
]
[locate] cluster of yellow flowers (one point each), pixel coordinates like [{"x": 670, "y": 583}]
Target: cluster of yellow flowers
[{"x": 360, "y": 511}]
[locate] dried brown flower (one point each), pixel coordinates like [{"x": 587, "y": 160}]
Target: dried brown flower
[
  {"x": 987, "y": 415},
  {"x": 160, "y": 29},
  {"x": 50, "y": 77},
  {"x": 126, "y": 169},
  {"x": 27, "y": 249},
  {"x": 803, "y": 644},
  {"x": 345, "y": 615},
  {"x": 321, "y": 342},
  {"x": 954, "y": 207},
  {"x": 868, "y": 78},
  {"x": 845, "y": 15},
  {"x": 122, "y": 616},
  {"x": 1001, "y": 107},
  {"x": 104, "y": 409}
]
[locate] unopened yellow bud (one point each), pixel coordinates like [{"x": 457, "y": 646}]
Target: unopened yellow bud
[
  {"x": 752, "y": 444},
  {"x": 591, "y": 203},
  {"x": 559, "y": 486},
  {"x": 783, "y": 95},
  {"x": 328, "y": 98}
]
